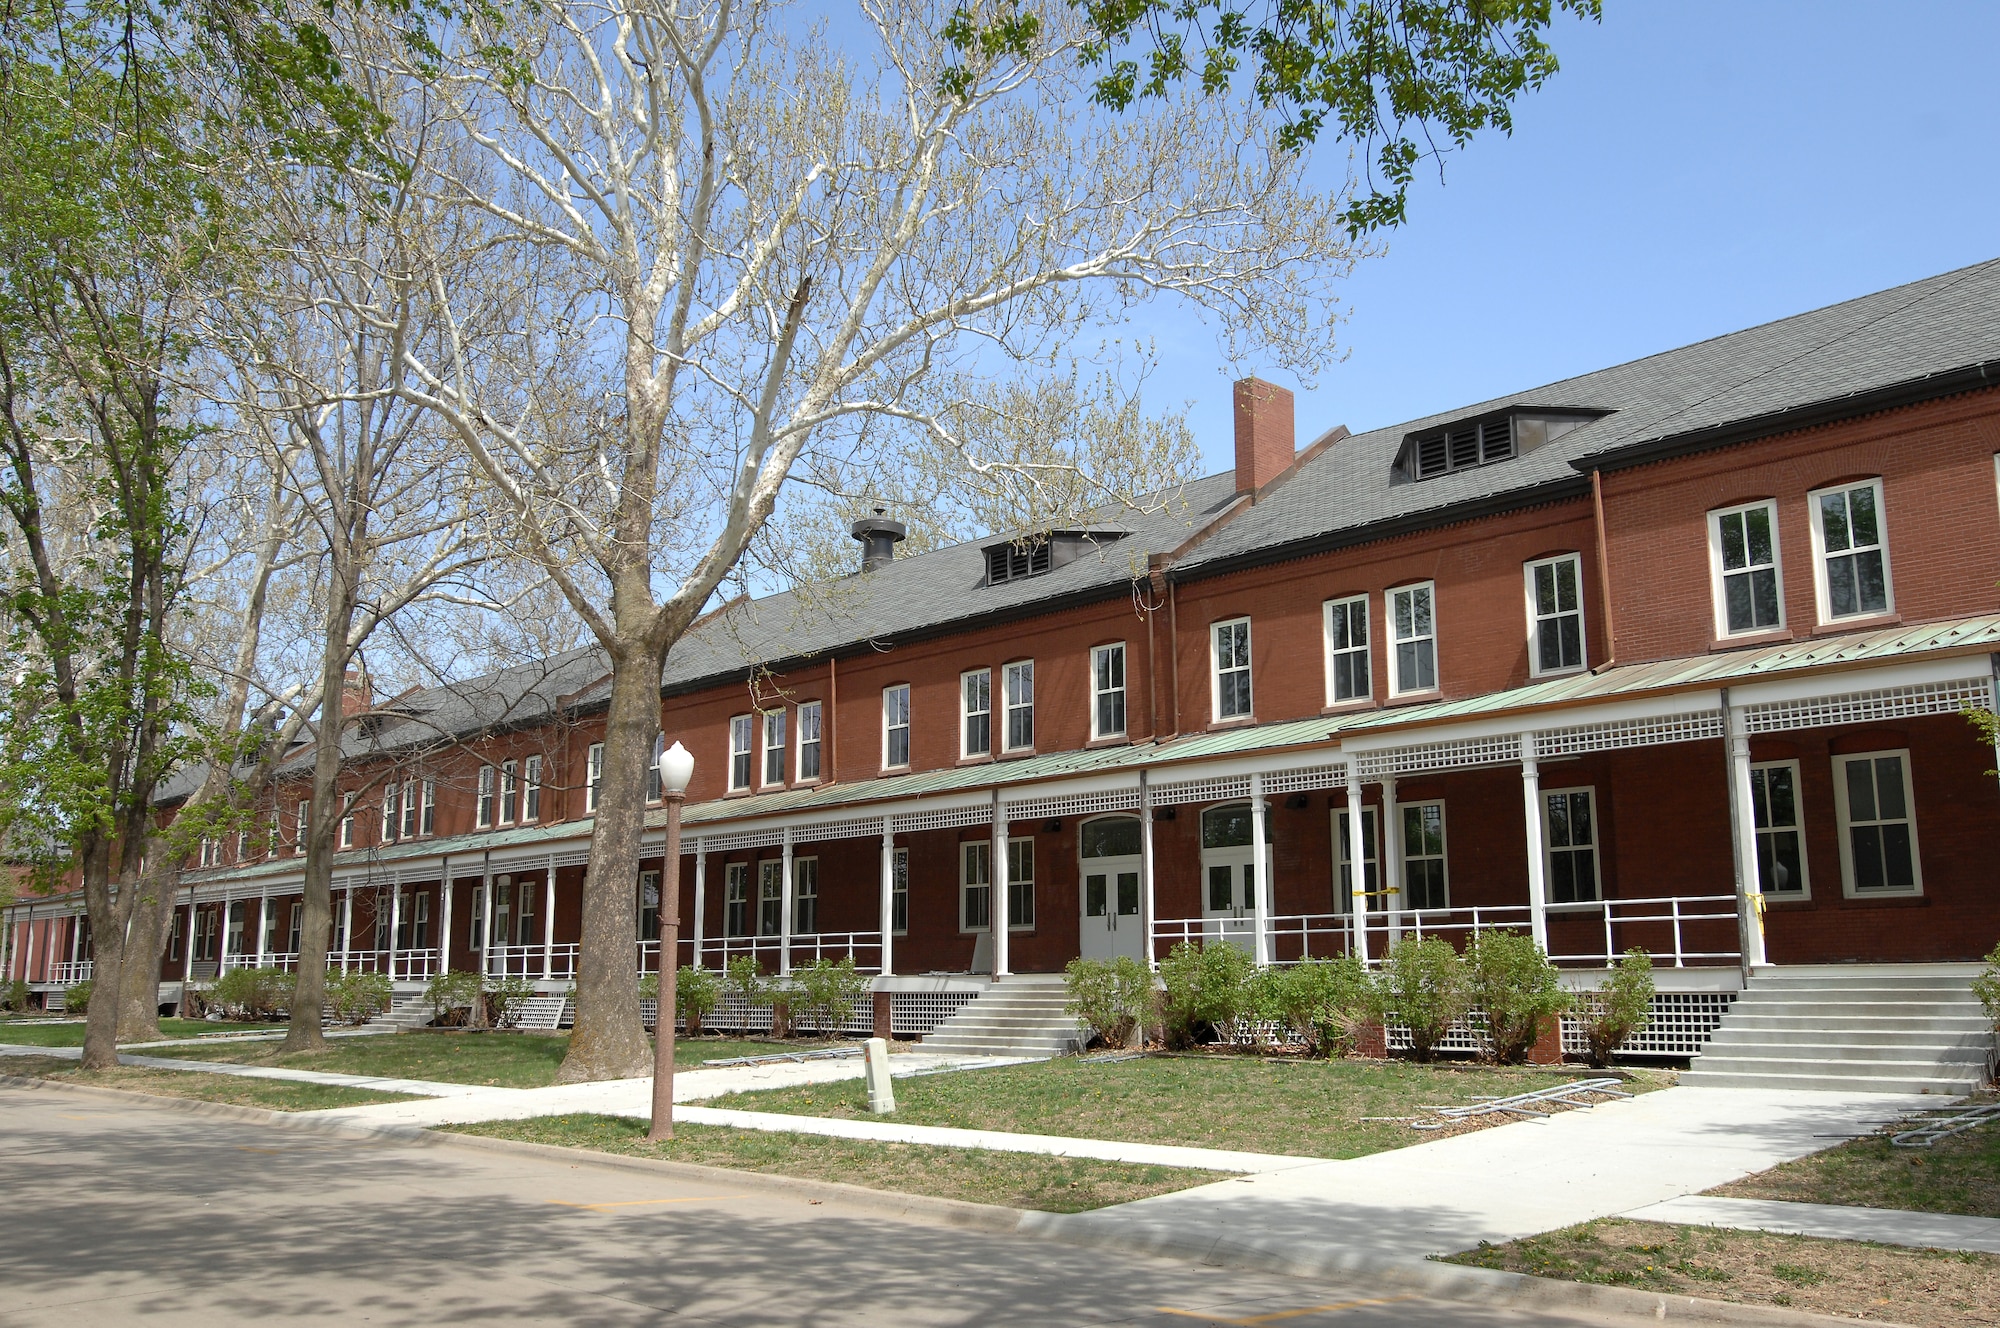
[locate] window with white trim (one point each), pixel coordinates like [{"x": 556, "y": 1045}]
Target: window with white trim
[
  {"x": 1413, "y": 629},
  {"x": 742, "y": 761},
  {"x": 809, "y": 738},
  {"x": 736, "y": 899},
  {"x": 975, "y": 885},
  {"x": 593, "y": 786},
  {"x": 1021, "y": 884},
  {"x": 391, "y": 801},
  {"x": 1424, "y": 880},
  {"x": 428, "y": 824},
  {"x": 1878, "y": 827},
  {"x": 411, "y": 807},
  {"x": 1347, "y": 650},
  {"x": 297, "y": 925},
  {"x": 805, "y": 896},
  {"x": 242, "y": 845},
  {"x": 1781, "y": 845},
  {"x": 302, "y": 826},
  {"x": 1370, "y": 860},
  {"x": 509, "y": 778},
  {"x": 975, "y": 709},
  {"x": 347, "y": 820},
  {"x": 1229, "y": 668},
  {"x": 771, "y": 897},
  {"x": 531, "y": 790},
  {"x": 483, "y": 814},
  {"x": 654, "y": 785},
  {"x": 1555, "y": 614},
  {"x": 774, "y": 747},
  {"x": 1743, "y": 557},
  {"x": 1107, "y": 687},
  {"x": 649, "y": 906},
  {"x": 1019, "y": 680},
  {"x": 1851, "y": 551},
  {"x": 1569, "y": 844},
  {"x": 899, "y": 892},
  {"x": 896, "y": 726}
]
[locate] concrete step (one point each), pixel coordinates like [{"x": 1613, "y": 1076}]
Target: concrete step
[
  {"x": 1779, "y": 974},
  {"x": 1846, "y": 1008},
  {"x": 1781, "y": 1060},
  {"x": 1829, "y": 1082},
  {"x": 1852, "y": 1037}
]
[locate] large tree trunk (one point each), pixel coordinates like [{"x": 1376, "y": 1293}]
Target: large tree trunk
[
  {"x": 610, "y": 1041},
  {"x": 152, "y": 925},
  {"x": 107, "y": 944},
  {"x": 309, "y": 995}
]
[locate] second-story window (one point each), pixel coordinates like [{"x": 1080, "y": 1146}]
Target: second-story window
[
  {"x": 896, "y": 726},
  {"x": 809, "y": 722},
  {"x": 1347, "y": 650},
  {"x": 428, "y": 825},
  {"x": 1020, "y": 684},
  {"x": 391, "y": 800},
  {"x": 347, "y": 820},
  {"x": 654, "y": 787},
  {"x": 593, "y": 785},
  {"x": 975, "y": 690},
  {"x": 1555, "y": 614},
  {"x": 484, "y": 814},
  {"x": 303, "y": 826},
  {"x": 1107, "y": 685},
  {"x": 1230, "y": 642},
  {"x": 742, "y": 733},
  {"x": 508, "y": 779},
  {"x": 774, "y": 747},
  {"x": 410, "y": 809},
  {"x": 1414, "y": 627},
  {"x": 531, "y": 790},
  {"x": 1852, "y": 565},
  {"x": 1743, "y": 550}
]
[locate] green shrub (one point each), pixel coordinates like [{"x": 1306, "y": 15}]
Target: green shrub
[
  {"x": 825, "y": 992},
  {"x": 1205, "y": 989},
  {"x": 506, "y": 998},
  {"x": 1987, "y": 987},
  {"x": 14, "y": 996},
  {"x": 357, "y": 997},
  {"x": 76, "y": 998},
  {"x": 451, "y": 996},
  {"x": 1109, "y": 997},
  {"x": 1519, "y": 990},
  {"x": 1322, "y": 1001},
  {"x": 1423, "y": 987},
  {"x": 1618, "y": 1009},
  {"x": 746, "y": 979},
  {"x": 253, "y": 993},
  {"x": 649, "y": 987},
  {"x": 697, "y": 991}
]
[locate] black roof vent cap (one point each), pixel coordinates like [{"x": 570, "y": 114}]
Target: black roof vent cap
[{"x": 879, "y": 537}]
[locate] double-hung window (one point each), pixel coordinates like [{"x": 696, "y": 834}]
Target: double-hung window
[
  {"x": 649, "y": 906},
  {"x": 899, "y": 893},
  {"x": 531, "y": 790},
  {"x": 593, "y": 787},
  {"x": 411, "y": 807},
  {"x": 771, "y": 897},
  {"x": 1781, "y": 849},
  {"x": 809, "y": 730},
  {"x": 1743, "y": 554},
  {"x": 484, "y": 816},
  {"x": 975, "y": 692},
  {"x": 975, "y": 885},
  {"x": 1413, "y": 624},
  {"x": 391, "y": 800},
  {"x": 297, "y": 925},
  {"x": 1424, "y": 881},
  {"x": 654, "y": 786},
  {"x": 1878, "y": 828},
  {"x": 805, "y": 896},
  {"x": 303, "y": 826},
  {"x": 736, "y": 899},
  {"x": 1555, "y": 614},
  {"x": 509, "y": 777},
  {"x": 1370, "y": 860},
  {"x": 347, "y": 820},
  {"x": 1020, "y": 684},
  {"x": 1230, "y": 648},
  {"x": 774, "y": 747},
  {"x": 1851, "y": 551},
  {"x": 428, "y": 825},
  {"x": 1569, "y": 839},
  {"x": 1021, "y": 884},
  {"x": 896, "y": 726},
  {"x": 1347, "y": 650},
  {"x": 742, "y": 732},
  {"x": 1107, "y": 686}
]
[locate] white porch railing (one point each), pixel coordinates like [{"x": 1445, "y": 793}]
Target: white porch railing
[
  {"x": 531, "y": 961},
  {"x": 400, "y": 965},
  {"x": 288, "y": 962},
  {"x": 865, "y": 947},
  {"x": 1702, "y": 928},
  {"x": 69, "y": 974}
]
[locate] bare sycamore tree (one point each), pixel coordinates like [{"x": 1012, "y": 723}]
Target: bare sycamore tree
[{"x": 756, "y": 246}]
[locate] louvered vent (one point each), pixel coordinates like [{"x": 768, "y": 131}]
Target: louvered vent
[
  {"x": 1011, "y": 562},
  {"x": 1464, "y": 446}
]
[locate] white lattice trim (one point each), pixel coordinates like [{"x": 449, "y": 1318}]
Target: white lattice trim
[
  {"x": 742, "y": 840},
  {"x": 1644, "y": 731},
  {"x": 863, "y": 827},
  {"x": 1074, "y": 804},
  {"x": 1201, "y": 790},
  {"x": 1300, "y": 781},
  {"x": 1682, "y": 1022},
  {"x": 944, "y": 818},
  {"x": 1456, "y": 754},
  {"x": 1930, "y": 698},
  {"x": 920, "y": 1012}
]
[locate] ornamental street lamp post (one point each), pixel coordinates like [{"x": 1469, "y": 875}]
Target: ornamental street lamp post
[{"x": 676, "y": 769}]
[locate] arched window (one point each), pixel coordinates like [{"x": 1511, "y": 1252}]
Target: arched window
[
  {"x": 1228, "y": 826},
  {"x": 1111, "y": 837}
]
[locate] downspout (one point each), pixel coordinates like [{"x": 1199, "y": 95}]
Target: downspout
[{"x": 1603, "y": 574}]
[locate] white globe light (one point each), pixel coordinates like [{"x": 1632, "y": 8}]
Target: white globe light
[{"x": 676, "y": 768}]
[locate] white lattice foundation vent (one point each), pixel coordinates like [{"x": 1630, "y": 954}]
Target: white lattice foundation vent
[
  {"x": 1682, "y": 1023},
  {"x": 918, "y": 1013}
]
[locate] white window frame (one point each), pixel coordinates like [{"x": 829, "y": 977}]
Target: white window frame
[
  {"x": 1020, "y": 668},
  {"x": 969, "y": 851},
  {"x": 303, "y": 826},
  {"x": 1395, "y": 643},
  {"x": 1798, "y": 827},
  {"x": 1371, "y": 862},
  {"x": 593, "y": 767},
  {"x": 411, "y": 809},
  {"x": 1537, "y": 621},
  {"x": 482, "y": 815},
  {"x": 736, "y": 894},
  {"x": 966, "y": 714},
  {"x": 742, "y": 752},
  {"x": 899, "y": 893},
  {"x": 427, "y": 823},
  {"x": 347, "y": 820},
  {"x": 770, "y": 750},
  {"x": 531, "y": 790},
  {"x": 893, "y": 710},
  {"x": 771, "y": 890},
  {"x": 1019, "y": 846},
  {"x": 1215, "y": 672},
  {"x": 805, "y": 889},
  {"x": 1099, "y": 692},
  {"x": 1334, "y": 653},
  {"x": 1550, "y": 848},
  {"x": 391, "y": 804},
  {"x": 811, "y": 720},
  {"x": 509, "y": 782},
  {"x": 1844, "y": 824},
  {"x": 1716, "y": 571},
  {"x": 1403, "y": 857},
  {"x": 1824, "y": 601}
]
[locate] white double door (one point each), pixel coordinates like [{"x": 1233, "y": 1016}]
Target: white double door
[
  {"x": 1229, "y": 895},
  {"x": 1111, "y": 924}
]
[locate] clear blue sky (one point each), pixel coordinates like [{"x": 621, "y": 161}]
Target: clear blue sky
[{"x": 1694, "y": 168}]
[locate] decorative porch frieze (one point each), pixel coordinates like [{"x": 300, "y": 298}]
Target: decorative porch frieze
[{"x": 1866, "y": 707}]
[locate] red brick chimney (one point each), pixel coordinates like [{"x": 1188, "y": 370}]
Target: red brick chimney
[
  {"x": 356, "y": 695},
  {"x": 1264, "y": 434}
]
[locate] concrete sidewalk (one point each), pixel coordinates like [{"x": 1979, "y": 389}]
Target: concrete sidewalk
[
  {"x": 422, "y": 1088},
  {"x": 1884, "y": 1226}
]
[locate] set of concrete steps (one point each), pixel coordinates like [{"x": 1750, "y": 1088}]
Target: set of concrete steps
[
  {"x": 1858, "y": 1028},
  {"x": 1017, "y": 1016},
  {"x": 405, "y": 1012}
]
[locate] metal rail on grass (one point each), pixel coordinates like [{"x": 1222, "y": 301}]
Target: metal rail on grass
[
  {"x": 1947, "y": 1121},
  {"x": 826, "y": 1054},
  {"x": 1523, "y": 1104}
]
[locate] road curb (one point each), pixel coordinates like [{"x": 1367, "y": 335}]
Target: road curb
[{"x": 1483, "y": 1286}]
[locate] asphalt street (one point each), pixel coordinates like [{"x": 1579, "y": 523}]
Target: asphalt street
[{"x": 118, "y": 1213}]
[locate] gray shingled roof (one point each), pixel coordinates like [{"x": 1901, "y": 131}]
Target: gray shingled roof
[{"x": 1845, "y": 350}]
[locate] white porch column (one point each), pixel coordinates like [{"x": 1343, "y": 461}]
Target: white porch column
[
  {"x": 997, "y": 884},
  {"x": 28, "y": 964},
  {"x": 1390, "y": 851},
  {"x": 1538, "y": 884},
  {"x": 888, "y": 895},
  {"x": 549, "y": 926},
  {"x": 395, "y": 917},
  {"x": 1146, "y": 910},
  {"x": 785, "y": 906},
  {"x": 1743, "y": 833},
  {"x": 486, "y": 923},
  {"x": 444, "y": 914},
  {"x": 187, "y": 952},
  {"x": 263, "y": 923},
  {"x": 347, "y": 930},
  {"x": 1260, "y": 860},
  {"x": 700, "y": 895},
  {"x": 1357, "y": 854}
]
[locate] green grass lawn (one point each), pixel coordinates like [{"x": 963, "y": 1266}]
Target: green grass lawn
[
  {"x": 1960, "y": 1175},
  {"x": 1015, "y": 1180},
  {"x": 1300, "y": 1107},
  {"x": 500, "y": 1060},
  {"x": 45, "y": 1034},
  {"x": 274, "y": 1094}
]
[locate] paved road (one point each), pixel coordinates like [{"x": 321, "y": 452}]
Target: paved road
[{"x": 120, "y": 1213}]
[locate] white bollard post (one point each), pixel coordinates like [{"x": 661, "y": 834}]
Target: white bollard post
[{"x": 881, "y": 1092}]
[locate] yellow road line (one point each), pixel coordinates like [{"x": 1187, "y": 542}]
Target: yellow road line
[
  {"x": 635, "y": 1203},
  {"x": 1280, "y": 1315}
]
